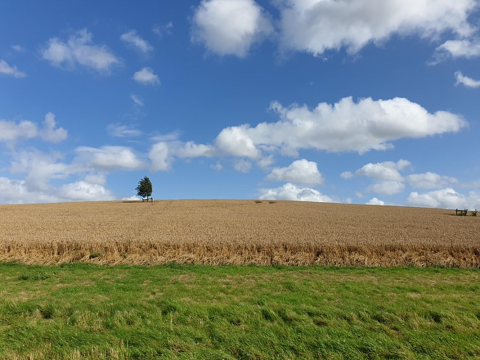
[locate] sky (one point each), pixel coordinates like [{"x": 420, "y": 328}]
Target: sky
[{"x": 347, "y": 101}]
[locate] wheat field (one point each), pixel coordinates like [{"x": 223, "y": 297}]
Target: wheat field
[{"x": 237, "y": 232}]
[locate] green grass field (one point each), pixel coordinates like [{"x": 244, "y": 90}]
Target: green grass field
[{"x": 198, "y": 312}]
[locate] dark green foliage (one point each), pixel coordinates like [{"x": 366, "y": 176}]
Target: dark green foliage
[{"x": 144, "y": 188}]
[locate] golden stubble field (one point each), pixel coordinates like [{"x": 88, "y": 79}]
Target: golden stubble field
[{"x": 240, "y": 232}]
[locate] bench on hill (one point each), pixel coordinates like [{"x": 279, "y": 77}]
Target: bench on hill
[{"x": 461, "y": 212}]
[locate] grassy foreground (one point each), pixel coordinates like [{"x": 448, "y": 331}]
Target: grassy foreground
[{"x": 83, "y": 311}]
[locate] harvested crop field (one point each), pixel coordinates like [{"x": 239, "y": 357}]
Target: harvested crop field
[{"x": 240, "y": 232}]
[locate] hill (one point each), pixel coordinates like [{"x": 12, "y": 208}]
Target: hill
[{"x": 240, "y": 232}]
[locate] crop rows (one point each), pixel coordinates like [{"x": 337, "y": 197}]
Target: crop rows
[{"x": 237, "y": 232}]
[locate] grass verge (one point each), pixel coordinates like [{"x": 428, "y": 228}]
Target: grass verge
[{"x": 84, "y": 311}]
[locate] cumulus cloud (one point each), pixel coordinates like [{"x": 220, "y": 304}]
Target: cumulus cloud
[
  {"x": 292, "y": 192},
  {"x": 387, "y": 187},
  {"x": 17, "y": 192},
  {"x": 466, "y": 81},
  {"x": 11, "y": 70},
  {"x": 96, "y": 178},
  {"x": 299, "y": 172},
  {"x": 79, "y": 49},
  {"x": 388, "y": 170},
  {"x": 242, "y": 165},
  {"x": 316, "y": 26},
  {"x": 121, "y": 130},
  {"x": 192, "y": 150},
  {"x": 40, "y": 168},
  {"x": 133, "y": 40},
  {"x": 49, "y": 132},
  {"x": 230, "y": 27},
  {"x": 237, "y": 141},
  {"x": 388, "y": 180},
  {"x": 109, "y": 158},
  {"x": 344, "y": 126},
  {"x": 163, "y": 153},
  {"x": 161, "y": 157},
  {"x": 446, "y": 198},
  {"x": 11, "y": 131},
  {"x": 375, "y": 201},
  {"x": 430, "y": 180},
  {"x": 84, "y": 191},
  {"x": 463, "y": 48},
  {"x": 146, "y": 76}
]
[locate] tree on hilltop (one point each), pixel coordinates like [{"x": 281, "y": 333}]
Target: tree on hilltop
[{"x": 144, "y": 188}]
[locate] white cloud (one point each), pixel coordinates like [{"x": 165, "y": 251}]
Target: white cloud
[
  {"x": 388, "y": 180},
  {"x": 237, "y": 141},
  {"x": 230, "y": 27},
  {"x": 346, "y": 175},
  {"x": 79, "y": 50},
  {"x": 375, "y": 201},
  {"x": 163, "y": 153},
  {"x": 17, "y": 48},
  {"x": 465, "y": 80},
  {"x": 173, "y": 136},
  {"x": 136, "y": 100},
  {"x": 49, "y": 132},
  {"x": 11, "y": 70},
  {"x": 387, "y": 187},
  {"x": 40, "y": 168},
  {"x": 242, "y": 165},
  {"x": 316, "y": 26},
  {"x": 294, "y": 193},
  {"x": 84, "y": 191},
  {"x": 299, "y": 172},
  {"x": 163, "y": 29},
  {"x": 430, "y": 180},
  {"x": 388, "y": 171},
  {"x": 344, "y": 126},
  {"x": 17, "y": 192},
  {"x": 457, "y": 49},
  {"x": 109, "y": 158},
  {"x": 132, "y": 198},
  {"x": 132, "y": 39},
  {"x": 192, "y": 150},
  {"x": 217, "y": 166},
  {"x": 445, "y": 198},
  {"x": 120, "y": 130},
  {"x": 96, "y": 178},
  {"x": 146, "y": 76},
  {"x": 161, "y": 157},
  {"x": 11, "y": 131},
  {"x": 265, "y": 162}
]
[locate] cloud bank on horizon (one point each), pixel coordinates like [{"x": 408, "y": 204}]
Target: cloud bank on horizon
[{"x": 350, "y": 101}]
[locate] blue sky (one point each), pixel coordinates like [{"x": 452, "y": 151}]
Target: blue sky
[{"x": 351, "y": 101}]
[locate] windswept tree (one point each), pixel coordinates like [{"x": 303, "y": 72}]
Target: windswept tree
[{"x": 144, "y": 188}]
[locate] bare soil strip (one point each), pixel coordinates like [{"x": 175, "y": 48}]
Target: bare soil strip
[{"x": 239, "y": 232}]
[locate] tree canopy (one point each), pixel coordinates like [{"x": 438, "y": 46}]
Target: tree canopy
[{"x": 144, "y": 188}]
